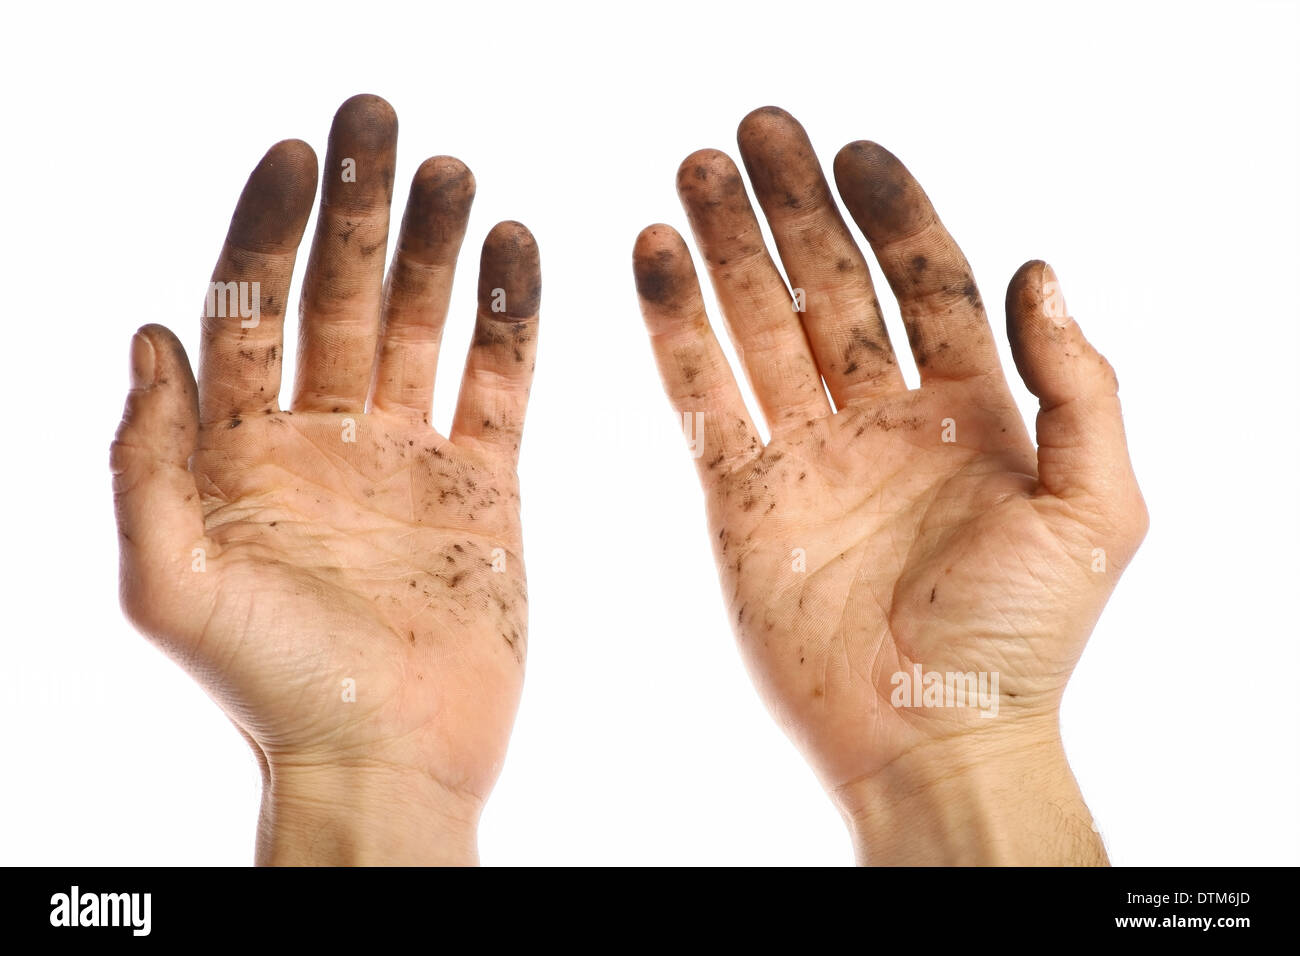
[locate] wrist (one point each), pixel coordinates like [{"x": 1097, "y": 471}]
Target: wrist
[
  {"x": 363, "y": 816},
  {"x": 974, "y": 800}
]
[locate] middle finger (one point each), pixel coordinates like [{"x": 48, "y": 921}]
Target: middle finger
[
  {"x": 344, "y": 285},
  {"x": 841, "y": 312}
]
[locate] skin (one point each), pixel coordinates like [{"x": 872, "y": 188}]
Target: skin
[
  {"x": 978, "y": 554},
  {"x": 392, "y": 560}
]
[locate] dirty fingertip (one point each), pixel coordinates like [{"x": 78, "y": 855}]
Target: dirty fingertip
[
  {"x": 510, "y": 273},
  {"x": 662, "y": 266}
]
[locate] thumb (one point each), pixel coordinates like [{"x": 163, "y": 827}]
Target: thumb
[
  {"x": 1082, "y": 453},
  {"x": 159, "y": 517}
]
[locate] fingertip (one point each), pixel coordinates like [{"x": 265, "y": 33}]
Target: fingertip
[
  {"x": 1031, "y": 270},
  {"x": 511, "y": 265},
  {"x": 765, "y": 122},
  {"x": 783, "y": 166},
  {"x": 162, "y": 402},
  {"x": 171, "y": 363},
  {"x": 1052, "y": 354},
  {"x": 295, "y": 157},
  {"x": 511, "y": 244},
  {"x": 361, "y": 157},
  {"x": 160, "y": 335},
  {"x": 656, "y": 240},
  {"x": 661, "y": 263},
  {"x": 862, "y": 157},
  {"x": 445, "y": 176},
  {"x": 883, "y": 197},
  {"x": 703, "y": 168},
  {"x": 369, "y": 118},
  {"x": 437, "y": 211},
  {"x": 144, "y": 361},
  {"x": 849, "y": 165},
  {"x": 276, "y": 202},
  {"x": 1024, "y": 290},
  {"x": 1034, "y": 297},
  {"x": 167, "y": 347}
]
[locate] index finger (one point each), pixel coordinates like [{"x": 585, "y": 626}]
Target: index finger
[
  {"x": 942, "y": 310},
  {"x": 243, "y": 314}
]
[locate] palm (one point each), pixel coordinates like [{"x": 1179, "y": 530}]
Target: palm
[
  {"x": 392, "y": 561},
  {"x": 914, "y": 549}
]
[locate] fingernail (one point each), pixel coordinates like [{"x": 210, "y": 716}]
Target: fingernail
[
  {"x": 1053, "y": 299},
  {"x": 144, "y": 363}
]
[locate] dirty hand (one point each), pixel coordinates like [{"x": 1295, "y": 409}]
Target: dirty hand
[
  {"x": 344, "y": 581},
  {"x": 875, "y": 547}
]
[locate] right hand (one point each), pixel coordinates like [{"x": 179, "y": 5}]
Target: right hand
[{"x": 284, "y": 556}]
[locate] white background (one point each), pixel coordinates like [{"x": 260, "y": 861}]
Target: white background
[{"x": 1149, "y": 151}]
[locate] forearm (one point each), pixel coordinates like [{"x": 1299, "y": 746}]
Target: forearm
[
  {"x": 363, "y": 817},
  {"x": 1010, "y": 801}
]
